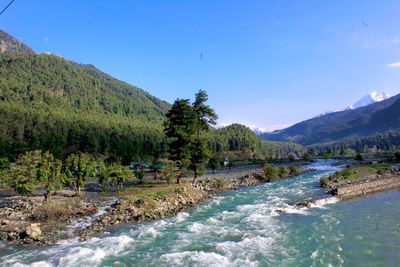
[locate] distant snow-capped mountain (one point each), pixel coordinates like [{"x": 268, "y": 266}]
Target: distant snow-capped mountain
[
  {"x": 369, "y": 99},
  {"x": 258, "y": 131}
]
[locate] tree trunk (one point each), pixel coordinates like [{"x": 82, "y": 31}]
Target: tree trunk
[
  {"x": 195, "y": 175},
  {"x": 47, "y": 196}
]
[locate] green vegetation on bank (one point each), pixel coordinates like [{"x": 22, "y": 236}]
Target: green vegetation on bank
[
  {"x": 354, "y": 173},
  {"x": 273, "y": 173}
]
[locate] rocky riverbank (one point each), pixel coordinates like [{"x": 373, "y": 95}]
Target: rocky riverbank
[
  {"x": 347, "y": 189},
  {"x": 180, "y": 199},
  {"x": 39, "y": 223},
  {"x": 372, "y": 183},
  {"x": 33, "y": 221}
]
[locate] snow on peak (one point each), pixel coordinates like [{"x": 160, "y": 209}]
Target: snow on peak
[{"x": 369, "y": 99}]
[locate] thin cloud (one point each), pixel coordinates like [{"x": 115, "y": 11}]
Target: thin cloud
[
  {"x": 396, "y": 40},
  {"x": 394, "y": 65},
  {"x": 46, "y": 39}
]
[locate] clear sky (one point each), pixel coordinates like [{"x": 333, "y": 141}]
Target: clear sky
[{"x": 263, "y": 63}]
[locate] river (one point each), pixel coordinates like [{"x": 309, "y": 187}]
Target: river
[{"x": 241, "y": 228}]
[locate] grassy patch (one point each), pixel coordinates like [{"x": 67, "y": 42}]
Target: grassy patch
[
  {"x": 354, "y": 173},
  {"x": 149, "y": 193}
]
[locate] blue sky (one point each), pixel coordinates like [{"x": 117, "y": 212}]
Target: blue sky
[{"x": 263, "y": 63}]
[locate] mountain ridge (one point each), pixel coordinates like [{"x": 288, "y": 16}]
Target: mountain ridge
[
  {"x": 49, "y": 103},
  {"x": 373, "y": 119}
]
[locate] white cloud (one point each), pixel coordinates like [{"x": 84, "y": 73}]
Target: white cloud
[
  {"x": 46, "y": 39},
  {"x": 394, "y": 65},
  {"x": 396, "y": 40}
]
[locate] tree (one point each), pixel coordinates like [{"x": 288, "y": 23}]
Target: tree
[
  {"x": 78, "y": 168},
  {"x": 214, "y": 164},
  {"x": 397, "y": 156},
  {"x": 326, "y": 156},
  {"x": 359, "y": 157},
  {"x": 179, "y": 129},
  {"x": 103, "y": 175},
  {"x": 204, "y": 117},
  {"x": 24, "y": 173},
  {"x": 169, "y": 171},
  {"x": 49, "y": 174},
  {"x": 139, "y": 174},
  {"x": 120, "y": 174},
  {"x": 307, "y": 157}
]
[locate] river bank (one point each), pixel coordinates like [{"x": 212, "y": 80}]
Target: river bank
[
  {"x": 35, "y": 222},
  {"x": 352, "y": 182}
]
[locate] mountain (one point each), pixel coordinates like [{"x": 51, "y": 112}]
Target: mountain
[
  {"x": 369, "y": 99},
  {"x": 9, "y": 44},
  {"x": 377, "y": 118},
  {"x": 53, "y": 104}
]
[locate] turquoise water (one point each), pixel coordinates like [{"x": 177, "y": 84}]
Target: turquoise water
[{"x": 241, "y": 228}]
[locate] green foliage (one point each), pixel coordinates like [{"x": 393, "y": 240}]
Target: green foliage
[
  {"x": 180, "y": 128},
  {"x": 397, "y": 156},
  {"x": 169, "y": 171},
  {"x": 359, "y": 157},
  {"x": 113, "y": 174},
  {"x": 139, "y": 174},
  {"x": 220, "y": 183},
  {"x": 120, "y": 174},
  {"x": 24, "y": 174},
  {"x": 270, "y": 173},
  {"x": 282, "y": 172},
  {"x": 214, "y": 164},
  {"x": 354, "y": 173},
  {"x": 325, "y": 181},
  {"x": 307, "y": 157},
  {"x": 389, "y": 141},
  {"x": 4, "y": 164},
  {"x": 293, "y": 170},
  {"x": 204, "y": 117},
  {"x": 49, "y": 103},
  {"x": 326, "y": 156},
  {"x": 186, "y": 128},
  {"x": 281, "y": 150},
  {"x": 78, "y": 168},
  {"x": 49, "y": 173}
]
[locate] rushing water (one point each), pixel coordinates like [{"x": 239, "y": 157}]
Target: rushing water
[{"x": 241, "y": 228}]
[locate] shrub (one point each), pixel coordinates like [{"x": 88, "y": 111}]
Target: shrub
[
  {"x": 324, "y": 181},
  {"x": 220, "y": 183},
  {"x": 293, "y": 170},
  {"x": 270, "y": 173},
  {"x": 359, "y": 157},
  {"x": 282, "y": 172}
]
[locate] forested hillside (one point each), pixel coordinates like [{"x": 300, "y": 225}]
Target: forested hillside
[
  {"x": 49, "y": 103},
  {"x": 239, "y": 141},
  {"x": 374, "y": 119}
]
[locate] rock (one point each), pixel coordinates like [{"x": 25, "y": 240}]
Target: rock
[
  {"x": 280, "y": 211},
  {"x": 5, "y": 222},
  {"x": 33, "y": 231},
  {"x": 303, "y": 205}
]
